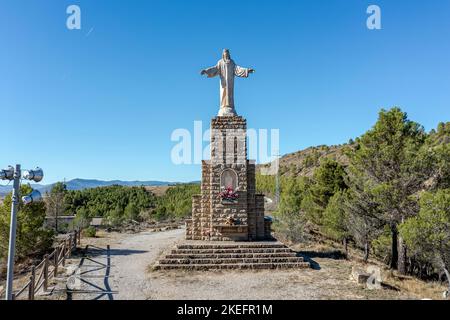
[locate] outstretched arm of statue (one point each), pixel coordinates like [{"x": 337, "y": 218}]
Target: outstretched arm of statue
[
  {"x": 243, "y": 72},
  {"x": 210, "y": 72}
]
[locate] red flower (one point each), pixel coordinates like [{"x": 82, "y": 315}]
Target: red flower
[{"x": 228, "y": 194}]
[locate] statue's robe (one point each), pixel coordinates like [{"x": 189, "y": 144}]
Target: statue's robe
[{"x": 227, "y": 70}]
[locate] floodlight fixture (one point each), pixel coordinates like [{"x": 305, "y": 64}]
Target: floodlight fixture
[
  {"x": 7, "y": 174},
  {"x": 36, "y": 175},
  {"x": 34, "y": 196}
]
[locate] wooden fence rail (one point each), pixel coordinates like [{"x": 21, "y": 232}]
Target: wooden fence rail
[{"x": 48, "y": 267}]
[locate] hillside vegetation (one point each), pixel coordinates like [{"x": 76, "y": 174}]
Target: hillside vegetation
[
  {"x": 387, "y": 192},
  {"x": 119, "y": 204},
  {"x": 298, "y": 164}
]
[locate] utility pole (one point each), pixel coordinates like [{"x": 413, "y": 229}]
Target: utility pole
[
  {"x": 277, "y": 184},
  {"x": 12, "y": 232},
  {"x": 15, "y": 174},
  {"x": 277, "y": 181},
  {"x": 56, "y": 210},
  {"x": 277, "y": 190}
]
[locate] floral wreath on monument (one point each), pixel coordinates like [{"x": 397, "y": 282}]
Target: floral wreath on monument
[{"x": 229, "y": 194}]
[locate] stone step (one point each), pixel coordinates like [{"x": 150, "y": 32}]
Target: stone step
[
  {"x": 231, "y": 246},
  {"x": 230, "y": 250},
  {"x": 230, "y": 261},
  {"x": 231, "y": 255},
  {"x": 207, "y": 256},
  {"x": 254, "y": 266}
]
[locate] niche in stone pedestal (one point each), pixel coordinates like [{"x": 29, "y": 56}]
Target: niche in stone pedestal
[{"x": 229, "y": 180}]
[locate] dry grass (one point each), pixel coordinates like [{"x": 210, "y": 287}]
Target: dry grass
[
  {"x": 413, "y": 287},
  {"x": 157, "y": 190},
  {"x": 420, "y": 289}
]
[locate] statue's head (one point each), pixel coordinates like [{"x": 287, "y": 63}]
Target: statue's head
[{"x": 226, "y": 54}]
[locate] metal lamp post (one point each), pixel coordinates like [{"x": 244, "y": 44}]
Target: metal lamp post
[{"x": 15, "y": 175}]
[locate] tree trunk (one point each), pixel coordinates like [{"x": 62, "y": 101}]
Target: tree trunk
[
  {"x": 401, "y": 256},
  {"x": 447, "y": 274},
  {"x": 345, "y": 242},
  {"x": 394, "y": 247},
  {"x": 366, "y": 251},
  {"x": 56, "y": 220}
]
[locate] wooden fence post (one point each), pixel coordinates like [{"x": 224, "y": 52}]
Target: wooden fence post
[
  {"x": 63, "y": 249},
  {"x": 55, "y": 262},
  {"x": 70, "y": 245},
  {"x": 46, "y": 273},
  {"x": 31, "y": 286},
  {"x": 74, "y": 244},
  {"x": 79, "y": 236}
]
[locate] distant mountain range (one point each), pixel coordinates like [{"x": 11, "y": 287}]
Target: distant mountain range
[{"x": 80, "y": 184}]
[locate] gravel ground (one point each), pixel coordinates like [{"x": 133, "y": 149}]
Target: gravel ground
[
  {"x": 131, "y": 278},
  {"x": 136, "y": 252},
  {"x": 130, "y": 256}
]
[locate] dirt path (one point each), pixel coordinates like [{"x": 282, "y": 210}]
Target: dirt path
[
  {"x": 127, "y": 267},
  {"x": 130, "y": 278},
  {"x": 132, "y": 258}
]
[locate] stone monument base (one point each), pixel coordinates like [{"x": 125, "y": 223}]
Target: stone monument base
[
  {"x": 215, "y": 216},
  {"x": 208, "y": 255}
]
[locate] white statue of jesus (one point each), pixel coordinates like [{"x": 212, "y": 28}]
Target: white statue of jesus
[{"x": 227, "y": 69}]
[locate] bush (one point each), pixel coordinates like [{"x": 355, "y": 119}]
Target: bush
[
  {"x": 82, "y": 219},
  {"x": 291, "y": 227},
  {"x": 290, "y": 220},
  {"x": 131, "y": 211},
  {"x": 115, "y": 217},
  {"x": 145, "y": 215},
  {"x": 89, "y": 232}
]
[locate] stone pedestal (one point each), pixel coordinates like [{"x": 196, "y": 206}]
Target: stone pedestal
[{"x": 214, "y": 218}]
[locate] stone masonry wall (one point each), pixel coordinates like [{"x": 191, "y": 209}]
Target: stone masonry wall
[
  {"x": 196, "y": 215},
  {"x": 251, "y": 201},
  {"x": 260, "y": 232},
  {"x": 228, "y": 151},
  {"x": 209, "y": 212},
  {"x": 205, "y": 200}
]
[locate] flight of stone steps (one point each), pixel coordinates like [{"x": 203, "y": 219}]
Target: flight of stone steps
[{"x": 242, "y": 255}]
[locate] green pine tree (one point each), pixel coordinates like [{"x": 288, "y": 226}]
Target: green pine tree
[
  {"x": 391, "y": 156},
  {"x": 428, "y": 234}
]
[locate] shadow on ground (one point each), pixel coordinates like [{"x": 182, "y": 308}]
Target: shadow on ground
[
  {"x": 389, "y": 287},
  {"x": 97, "y": 251},
  {"x": 96, "y": 278},
  {"x": 309, "y": 256}
]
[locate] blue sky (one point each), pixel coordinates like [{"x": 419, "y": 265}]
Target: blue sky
[{"x": 102, "y": 102}]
